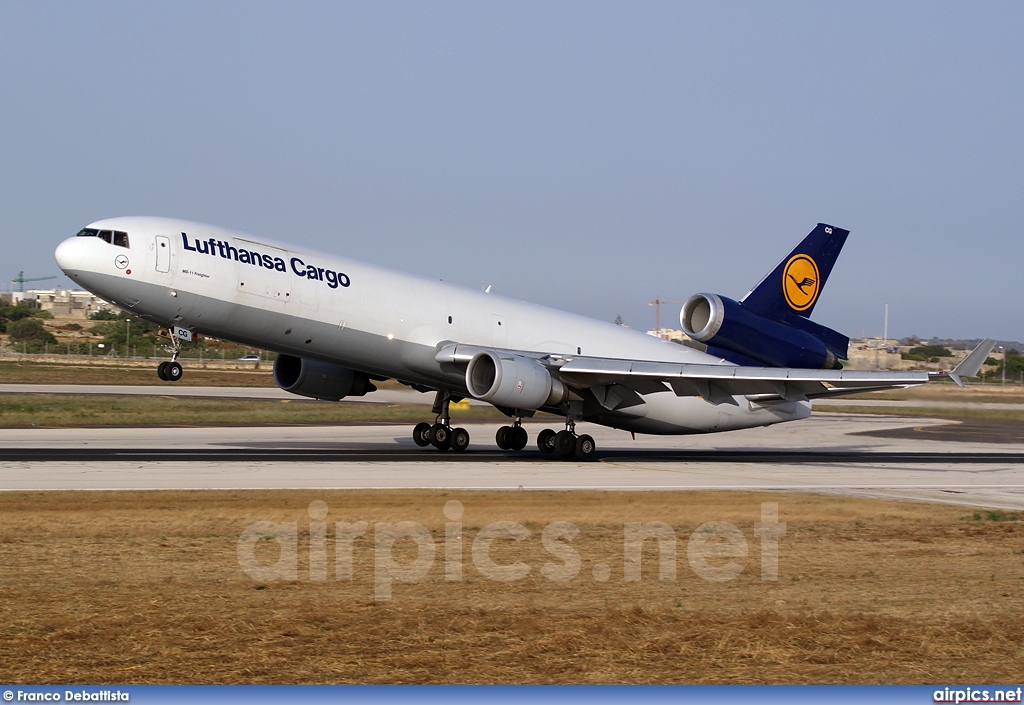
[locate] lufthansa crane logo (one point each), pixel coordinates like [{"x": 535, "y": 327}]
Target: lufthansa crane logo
[{"x": 800, "y": 282}]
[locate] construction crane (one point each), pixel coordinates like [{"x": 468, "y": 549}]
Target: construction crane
[
  {"x": 21, "y": 279},
  {"x": 658, "y": 301}
]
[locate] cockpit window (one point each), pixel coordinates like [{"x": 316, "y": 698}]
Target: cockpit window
[{"x": 114, "y": 237}]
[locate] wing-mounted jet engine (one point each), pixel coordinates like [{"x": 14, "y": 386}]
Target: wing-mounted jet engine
[
  {"x": 513, "y": 381},
  {"x": 319, "y": 380},
  {"x": 771, "y": 325}
]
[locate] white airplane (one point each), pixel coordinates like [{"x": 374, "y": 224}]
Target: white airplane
[{"x": 338, "y": 325}]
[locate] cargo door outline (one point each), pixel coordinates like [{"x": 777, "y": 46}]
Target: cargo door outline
[
  {"x": 163, "y": 253},
  {"x": 257, "y": 279}
]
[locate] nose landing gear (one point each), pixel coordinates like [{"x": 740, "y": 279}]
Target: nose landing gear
[{"x": 171, "y": 371}]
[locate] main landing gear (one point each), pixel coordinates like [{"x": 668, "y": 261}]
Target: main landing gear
[
  {"x": 566, "y": 443},
  {"x": 171, "y": 371},
  {"x": 440, "y": 434},
  {"x": 512, "y": 437}
]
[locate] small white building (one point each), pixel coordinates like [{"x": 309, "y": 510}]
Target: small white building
[
  {"x": 64, "y": 303},
  {"x": 676, "y": 336}
]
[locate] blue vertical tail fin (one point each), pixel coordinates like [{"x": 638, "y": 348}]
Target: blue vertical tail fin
[{"x": 793, "y": 287}]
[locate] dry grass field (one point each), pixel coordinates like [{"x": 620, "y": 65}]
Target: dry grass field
[
  {"x": 947, "y": 391},
  {"x": 136, "y": 373},
  {"x": 100, "y": 410},
  {"x": 146, "y": 587}
]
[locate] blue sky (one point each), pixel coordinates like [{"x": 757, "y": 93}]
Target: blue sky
[{"x": 583, "y": 155}]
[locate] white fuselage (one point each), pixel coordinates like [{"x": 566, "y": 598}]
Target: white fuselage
[{"x": 289, "y": 300}]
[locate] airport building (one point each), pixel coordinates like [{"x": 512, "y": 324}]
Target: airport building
[
  {"x": 676, "y": 336},
  {"x": 61, "y": 303},
  {"x": 874, "y": 354}
]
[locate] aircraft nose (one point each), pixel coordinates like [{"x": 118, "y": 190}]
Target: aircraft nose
[{"x": 68, "y": 254}]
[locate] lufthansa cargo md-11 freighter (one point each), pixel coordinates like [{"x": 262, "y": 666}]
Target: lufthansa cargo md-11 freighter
[{"x": 338, "y": 326}]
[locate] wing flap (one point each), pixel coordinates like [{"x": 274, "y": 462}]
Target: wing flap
[{"x": 717, "y": 382}]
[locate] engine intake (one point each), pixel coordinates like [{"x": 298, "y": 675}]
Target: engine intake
[
  {"x": 513, "y": 381},
  {"x": 319, "y": 380},
  {"x": 726, "y": 325}
]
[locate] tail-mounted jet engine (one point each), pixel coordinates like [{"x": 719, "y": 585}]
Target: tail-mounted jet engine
[
  {"x": 319, "y": 380},
  {"x": 513, "y": 381},
  {"x": 741, "y": 336}
]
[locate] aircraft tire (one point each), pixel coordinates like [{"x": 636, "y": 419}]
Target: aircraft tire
[
  {"x": 440, "y": 436},
  {"x": 546, "y": 441},
  {"x": 517, "y": 438},
  {"x": 173, "y": 371},
  {"x": 459, "y": 439},
  {"x": 501, "y": 437},
  {"x": 565, "y": 444},
  {"x": 161, "y": 371},
  {"x": 421, "y": 434},
  {"x": 585, "y": 447}
]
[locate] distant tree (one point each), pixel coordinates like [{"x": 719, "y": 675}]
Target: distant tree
[
  {"x": 15, "y": 313},
  {"x": 29, "y": 329},
  {"x": 1013, "y": 361},
  {"x": 931, "y": 353},
  {"x": 618, "y": 321},
  {"x": 103, "y": 315}
]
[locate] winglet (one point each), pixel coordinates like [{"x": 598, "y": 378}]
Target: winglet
[{"x": 970, "y": 366}]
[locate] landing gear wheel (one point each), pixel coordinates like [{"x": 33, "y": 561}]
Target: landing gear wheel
[
  {"x": 585, "y": 447},
  {"x": 421, "y": 434},
  {"x": 459, "y": 439},
  {"x": 517, "y": 438},
  {"x": 546, "y": 441},
  {"x": 565, "y": 444},
  {"x": 161, "y": 371},
  {"x": 502, "y": 438},
  {"x": 440, "y": 436},
  {"x": 173, "y": 371}
]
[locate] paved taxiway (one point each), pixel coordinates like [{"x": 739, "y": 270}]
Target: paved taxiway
[
  {"x": 411, "y": 396},
  {"x": 824, "y": 454},
  {"x": 381, "y": 396}
]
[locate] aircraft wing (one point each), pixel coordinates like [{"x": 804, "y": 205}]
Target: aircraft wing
[
  {"x": 617, "y": 383},
  {"x": 721, "y": 383}
]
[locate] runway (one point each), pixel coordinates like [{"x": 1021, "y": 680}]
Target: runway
[
  {"x": 824, "y": 454},
  {"x": 381, "y": 396},
  {"x": 329, "y": 455},
  {"x": 410, "y": 396}
]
